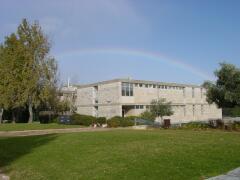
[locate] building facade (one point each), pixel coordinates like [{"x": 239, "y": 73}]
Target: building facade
[{"x": 126, "y": 97}]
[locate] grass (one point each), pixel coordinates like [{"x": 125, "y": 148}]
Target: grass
[
  {"x": 121, "y": 154},
  {"x": 34, "y": 126}
]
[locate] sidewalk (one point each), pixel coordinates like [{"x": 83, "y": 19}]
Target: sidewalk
[
  {"x": 231, "y": 175},
  {"x": 50, "y": 131}
]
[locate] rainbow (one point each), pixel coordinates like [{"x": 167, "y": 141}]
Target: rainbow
[{"x": 142, "y": 53}]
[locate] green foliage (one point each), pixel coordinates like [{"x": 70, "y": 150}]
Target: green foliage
[
  {"x": 114, "y": 121},
  {"x": 236, "y": 126},
  {"x": 195, "y": 125},
  {"x": 46, "y": 118},
  {"x": 101, "y": 120},
  {"x": 85, "y": 120},
  {"x": 226, "y": 91},
  {"x": 232, "y": 112},
  {"x": 118, "y": 121},
  {"x": 62, "y": 106},
  {"x": 160, "y": 108},
  {"x": 28, "y": 72},
  {"x": 147, "y": 115}
]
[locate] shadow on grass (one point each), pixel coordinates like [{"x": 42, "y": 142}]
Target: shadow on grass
[{"x": 12, "y": 148}]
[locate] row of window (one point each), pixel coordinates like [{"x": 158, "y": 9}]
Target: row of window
[
  {"x": 158, "y": 86},
  {"x": 127, "y": 89},
  {"x": 193, "y": 108}
]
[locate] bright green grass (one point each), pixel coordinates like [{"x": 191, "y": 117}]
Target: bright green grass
[
  {"x": 121, "y": 154},
  {"x": 34, "y": 126}
]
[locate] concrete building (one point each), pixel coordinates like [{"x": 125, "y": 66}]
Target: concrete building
[{"x": 126, "y": 97}]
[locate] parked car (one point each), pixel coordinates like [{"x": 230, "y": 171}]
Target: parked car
[{"x": 64, "y": 119}]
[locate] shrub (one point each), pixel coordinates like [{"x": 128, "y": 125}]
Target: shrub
[
  {"x": 195, "y": 125},
  {"x": 118, "y": 121},
  {"x": 232, "y": 112},
  {"x": 45, "y": 119},
  {"x": 101, "y": 120},
  {"x": 236, "y": 125},
  {"x": 85, "y": 120},
  {"x": 147, "y": 115},
  {"x": 114, "y": 121},
  {"x": 127, "y": 121}
]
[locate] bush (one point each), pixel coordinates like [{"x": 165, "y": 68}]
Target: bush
[
  {"x": 118, "y": 121},
  {"x": 45, "y": 119},
  {"x": 85, "y": 120},
  {"x": 231, "y": 112},
  {"x": 236, "y": 125},
  {"x": 195, "y": 125},
  {"x": 114, "y": 121},
  {"x": 101, "y": 120},
  {"x": 128, "y": 121},
  {"x": 147, "y": 115}
]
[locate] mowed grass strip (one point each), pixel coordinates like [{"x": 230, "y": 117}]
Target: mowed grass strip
[
  {"x": 121, "y": 154},
  {"x": 34, "y": 126}
]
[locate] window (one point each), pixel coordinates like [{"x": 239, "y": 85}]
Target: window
[
  {"x": 127, "y": 89},
  {"x": 136, "y": 85},
  {"x": 140, "y": 85},
  {"x": 154, "y": 86},
  {"x": 201, "y": 93},
  {"x": 139, "y": 106},
  {"x": 146, "y": 85},
  {"x": 193, "y": 93},
  {"x": 184, "y": 92}
]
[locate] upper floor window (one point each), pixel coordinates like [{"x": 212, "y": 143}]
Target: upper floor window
[
  {"x": 193, "y": 93},
  {"x": 127, "y": 89}
]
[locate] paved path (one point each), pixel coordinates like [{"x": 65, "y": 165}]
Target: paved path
[
  {"x": 50, "y": 131},
  {"x": 231, "y": 175}
]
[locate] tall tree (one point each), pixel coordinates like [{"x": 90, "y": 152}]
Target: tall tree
[
  {"x": 11, "y": 63},
  {"x": 160, "y": 108},
  {"x": 28, "y": 72},
  {"x": 40, "y": 68},
  {"x": 225, "y": 92}
]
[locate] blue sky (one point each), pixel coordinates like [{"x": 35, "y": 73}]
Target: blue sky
[{"x": 164, "y": 40}]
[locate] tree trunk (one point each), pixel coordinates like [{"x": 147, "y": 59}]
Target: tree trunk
[
  {"x": 30, "y": 109},
  {"x": 13, "y": 117},
  {"x": 1, "y": 114}
]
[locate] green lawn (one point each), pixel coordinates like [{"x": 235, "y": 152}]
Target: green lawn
[
  {"x": 34, "y": 126},
  {"x": 121, "y": 154}
]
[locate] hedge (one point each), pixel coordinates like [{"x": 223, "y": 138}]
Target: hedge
[
  {"x": 79, "y": 119},
  {"x": 118, "y": 121}
]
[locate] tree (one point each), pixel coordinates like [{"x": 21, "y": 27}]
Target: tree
[
  {"x": 40, "y": 69},
  {"x": 28, "y": 72},
  {"x": 148, "y": 115},
  {"x": 11, "y": 63},
  {"x": 225, "y": 92},
  {"x": 160, "y": 108}
]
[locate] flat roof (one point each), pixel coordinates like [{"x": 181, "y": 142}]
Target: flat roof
[{"x": 135, "y": 81}]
